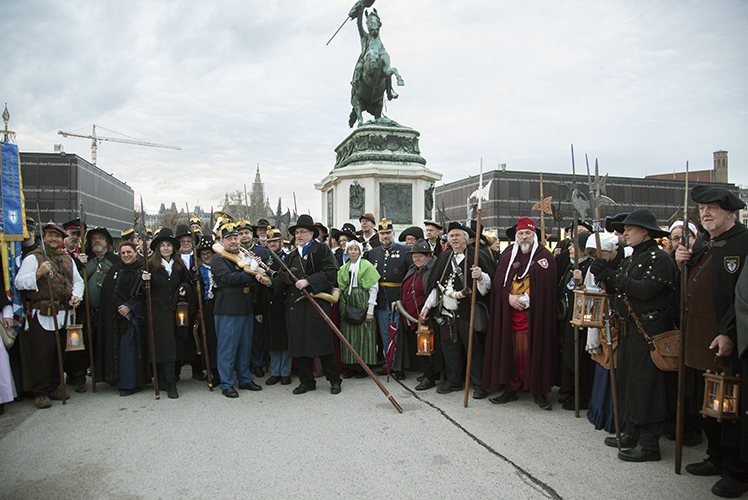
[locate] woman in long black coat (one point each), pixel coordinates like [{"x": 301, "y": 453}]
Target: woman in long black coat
[
  {"x": 123, "y": 352},
  {"x": 644, "y": 286},
  {"x": 169, "y": 279}
]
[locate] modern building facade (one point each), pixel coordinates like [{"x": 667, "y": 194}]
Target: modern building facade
[
  {"x": 513, "y": 195},
  {"x": 61, "y": 182}
]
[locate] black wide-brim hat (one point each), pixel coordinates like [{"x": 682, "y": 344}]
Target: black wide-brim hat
[
  {"x": 719, "y": 195},
  {"x": 421, "y": 246},
  {"x": 261, "y": 224},
  {"x": 183, "y": 230},
  {"x": 456, "y": 225},
  {"x": 101, "y": 230},
  {"x": 414, "y": 231},
  {"x": 306, "y": 222},
  {"x": 165, "y": 234},
  {"x": 511, "y": 232},
  {"x": 609, "y": 221},
  {"x": 642, "y": 217}
]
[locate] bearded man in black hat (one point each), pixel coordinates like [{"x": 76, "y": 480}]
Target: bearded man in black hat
[
  {"x": 261, "y": 231},
  {"x": 453, "y": 274},
  {"x": 310, "y": 336},
  {"x": 184, "y": 236},
  {"x": 717, "y": 259},
  {"x": 644, "y": 285},
  {"x": 101, "y": 258}
]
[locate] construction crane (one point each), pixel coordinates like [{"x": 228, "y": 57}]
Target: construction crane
[{"x": 95, "y": 139}]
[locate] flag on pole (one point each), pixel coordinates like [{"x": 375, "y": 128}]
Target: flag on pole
[{"x": 12, "y": 222}]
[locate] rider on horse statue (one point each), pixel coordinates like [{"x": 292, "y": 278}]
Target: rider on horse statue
[{"x": 373, "y": 73}]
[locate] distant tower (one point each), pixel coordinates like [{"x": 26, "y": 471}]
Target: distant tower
[
  {"x": 257, "y": 206},
  {"x": 720, "y": 166}
]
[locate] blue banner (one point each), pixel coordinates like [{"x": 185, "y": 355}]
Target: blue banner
[
  {"x": 12, "y": 216},
  {"x": 11, "y": 262}
]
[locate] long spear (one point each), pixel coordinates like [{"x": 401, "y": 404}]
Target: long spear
[
  {"x": 595, "y": 201},
  {"x": 82, "y": 219},
  {"x": 685, "y": 237},
  {"x": 475, "y": 285},
  {"x": 54, "y": 314},
  {"x": 340, "y": 335},
  {"x": 575, "y": 240},
  {"x": 147, "y": 283},
  {"x": 195, "y": 241}
]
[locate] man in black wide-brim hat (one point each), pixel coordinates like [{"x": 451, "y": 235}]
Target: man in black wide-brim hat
[
  {"x": 309, "y": 335},
  {"x": 717, "y": 259},
  {"x": 644, "y": 285}
]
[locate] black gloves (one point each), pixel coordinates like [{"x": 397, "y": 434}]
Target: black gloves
[{"x": 600, "y": 269}]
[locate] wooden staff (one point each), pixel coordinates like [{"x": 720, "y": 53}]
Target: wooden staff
[
  {"x": 147, "y": 283},
  {"x": 195, "y": 241},
  {"x": 54, "y": 313},
  {"x": 82, "y": 220},
  {"x": 574, "y": 234},
  {"x": 340, "y": 335},
  {"x": 685, "y": 237},
  {"x": 475, "y": 286}
]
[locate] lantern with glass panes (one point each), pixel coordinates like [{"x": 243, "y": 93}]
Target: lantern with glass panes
[
  {"x": 425, "y": 340},
  {"x": 721, "y": 396},
  {"x": 589, "y": 305},
  {"x": 182, "y": 312}
]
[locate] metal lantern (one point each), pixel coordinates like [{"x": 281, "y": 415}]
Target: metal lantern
[
  {"x": 588, "y": 308},
  {"x": 721, "y": 396},
  {"x": 425, "y": 340},
  {"x": 74, "y": 338},
  {"x": 182, "y": 312}
]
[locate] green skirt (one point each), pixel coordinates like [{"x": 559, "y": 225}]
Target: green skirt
[{"x": 362, "y": 337}]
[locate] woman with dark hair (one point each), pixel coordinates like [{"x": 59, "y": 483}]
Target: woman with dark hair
[
  {"x": 169, "y": 281},
  {"x": 122, "y": 351}
]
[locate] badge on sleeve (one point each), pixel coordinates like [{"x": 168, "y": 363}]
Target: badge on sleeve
[
  {"x": 543, "y": 263},
  {"x": 732, "y": 264}
]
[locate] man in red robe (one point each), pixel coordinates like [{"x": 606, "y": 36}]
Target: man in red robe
[{"x": 521, "y": 342}]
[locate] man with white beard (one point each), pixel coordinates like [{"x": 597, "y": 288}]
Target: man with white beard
[{"x": 521, "y": 342}]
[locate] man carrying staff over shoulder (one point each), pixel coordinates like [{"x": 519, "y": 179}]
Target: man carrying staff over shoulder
[
  {"x": 714, "y": 266},
  {"x": 67, "y": 291},
  {"x": 309, "y": 335}
]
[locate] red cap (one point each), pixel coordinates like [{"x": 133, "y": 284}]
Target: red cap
[{"x": 526, "y": 223}]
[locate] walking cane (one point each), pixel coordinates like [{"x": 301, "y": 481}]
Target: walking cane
[
  {"x": 685, "y": 237},
  {"x": 54, "y": 314},
  {"x": 147, "y": 283},
  {"x": 340, "y": 335},
  {"x": 82, "y": 220}
]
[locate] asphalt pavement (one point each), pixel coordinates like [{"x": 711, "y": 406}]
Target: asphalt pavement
[{"x": 278, "y": 445}]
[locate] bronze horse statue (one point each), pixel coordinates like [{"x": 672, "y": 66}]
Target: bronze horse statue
[{"x": 372, "y": 76}]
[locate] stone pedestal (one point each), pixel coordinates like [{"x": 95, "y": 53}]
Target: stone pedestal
[{"x": 379, "y": 169}]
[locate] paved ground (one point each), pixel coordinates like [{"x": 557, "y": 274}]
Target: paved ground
[{"x": 316, "y": 445}]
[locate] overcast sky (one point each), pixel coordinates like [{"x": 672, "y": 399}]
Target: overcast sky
[{"x": 643, "y": 86}]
